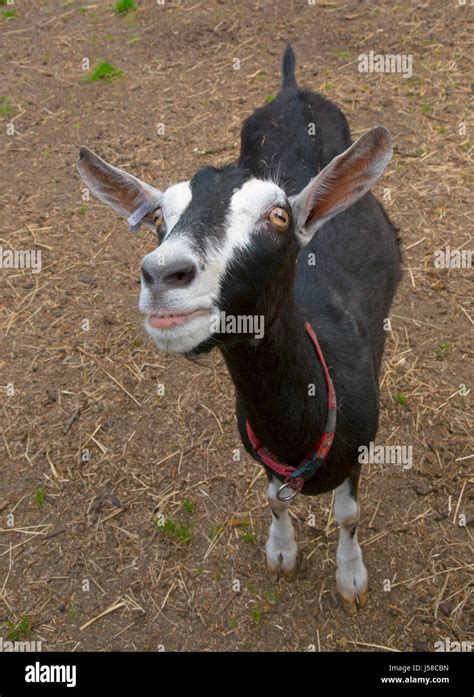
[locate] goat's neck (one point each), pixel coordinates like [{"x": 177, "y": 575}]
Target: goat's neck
[{"x": 274, "y": 378}]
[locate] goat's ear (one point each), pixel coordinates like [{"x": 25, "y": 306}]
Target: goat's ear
[
  {"x": 116, "y": 188},
  {"x": 343, "y": 182}
]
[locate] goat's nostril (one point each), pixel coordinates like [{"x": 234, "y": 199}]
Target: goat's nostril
[
  {"x": 178, "y": 274},
  {"x": 147, "y": 276},
  {"x": 179, "y": 277}
]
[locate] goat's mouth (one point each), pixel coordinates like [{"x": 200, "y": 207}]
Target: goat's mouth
[{"x": 168, "y": 320}]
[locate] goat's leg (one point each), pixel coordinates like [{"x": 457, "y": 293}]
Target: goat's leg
[
  {"x": 281, "y": 547},
  {"x": 351, "y": 575}
]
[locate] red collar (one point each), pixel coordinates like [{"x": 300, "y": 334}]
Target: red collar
[{"x": 295, "y": 477}]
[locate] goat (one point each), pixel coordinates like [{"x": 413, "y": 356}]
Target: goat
[{"x": 292, "y": 234}]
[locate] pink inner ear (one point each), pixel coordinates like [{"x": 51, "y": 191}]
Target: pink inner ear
[
  {"x": 109, "y": 184},
  {"x": 349, "y": 176}
]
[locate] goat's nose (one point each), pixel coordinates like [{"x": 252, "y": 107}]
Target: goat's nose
[{"x": 178, "y": 274}]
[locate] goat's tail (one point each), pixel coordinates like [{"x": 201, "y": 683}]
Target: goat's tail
[{"x": 288, "y": 79}]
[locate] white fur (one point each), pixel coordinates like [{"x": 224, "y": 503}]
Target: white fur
[
  {"x": 281, "y": 549},
  {"x": 173, "y": 203},
  {"x": 351, "y": 574},
  {"x": 247, "y": 207}
]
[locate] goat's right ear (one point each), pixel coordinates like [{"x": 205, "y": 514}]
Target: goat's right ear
[
  {"x": 116, "y": 188},
  {"x": 342, "y": 182}
]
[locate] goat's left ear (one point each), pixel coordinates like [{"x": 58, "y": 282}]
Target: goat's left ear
[
  {"x": 343, "y": 182},
  {"x": 118, "y": 189}
]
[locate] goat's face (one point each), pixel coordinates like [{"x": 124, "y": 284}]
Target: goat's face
[
  {"x": 223, "y": 239},
  {"x": 228, "y": 241}
]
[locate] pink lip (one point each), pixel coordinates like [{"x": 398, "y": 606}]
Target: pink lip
[{"x": 171, "y": 321}]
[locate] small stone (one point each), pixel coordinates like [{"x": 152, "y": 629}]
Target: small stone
[
  {"x": 88, "y": 278},
  {"x": 423, "y": 489}
]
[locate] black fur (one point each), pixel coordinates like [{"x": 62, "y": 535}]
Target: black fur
[
  {"x": 346, "y": 296},
  {"x": 204, "y": 224}
]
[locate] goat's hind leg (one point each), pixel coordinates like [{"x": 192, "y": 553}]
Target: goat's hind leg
[
  {"x": 351, "y": 574},
  {"x": 281, "y": 549}
]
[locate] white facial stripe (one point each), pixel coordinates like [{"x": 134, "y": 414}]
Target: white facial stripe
[
  {"x": 174, "y": 201},
  {"x": 247, "y": 206}
]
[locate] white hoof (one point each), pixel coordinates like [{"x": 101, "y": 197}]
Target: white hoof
[
  {"x": 281, "y": 557},
  {"x": 352, "y": 584}
]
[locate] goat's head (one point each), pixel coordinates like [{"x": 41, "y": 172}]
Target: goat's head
[{"x": 228, "y": 241}]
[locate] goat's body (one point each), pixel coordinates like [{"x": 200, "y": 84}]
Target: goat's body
[
  {"x": 345, "y": 292},
  {"x": 253, "y": 240}
]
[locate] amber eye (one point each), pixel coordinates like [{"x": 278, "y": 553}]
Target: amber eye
[
  {"x": 157, "y": 218},
  {"x": 279, "y": 218}
]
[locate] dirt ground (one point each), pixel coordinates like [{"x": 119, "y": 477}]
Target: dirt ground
[{"x": 94, "y": 456}]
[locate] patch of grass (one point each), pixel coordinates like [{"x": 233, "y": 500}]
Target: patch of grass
[
  {"x": 341, "y": 54},
  {"x": 121, "y": 7},
  {"x": 251, "y": 588},
  {"x": 73, "y": 612},
  {"x": 214, "y": 532},
  {"x": 176, "y": 530},
  {"x": 105, "y": 71},
  {"x": 199, "y": 571},
  {"x": 248, "y": 538},
  {"x": 273, "y": 596},
  {"x": 188, "y": 506},
  {"x": 82, "y": 210},
  {"x": 256, "y": 614},
  {"x": 402, "y": 399},
  {"x": 426, "y": 108},
  {"x": 39, "y": 496},
  {"x": 6, "y": 107},
  {"x": 217, "y": 575},
  {"x": 269, "y": 99},
  {"x": 20, "y": 630},
  {"x": 9, "y": 14},
  {"x": 441, "y": 351}
]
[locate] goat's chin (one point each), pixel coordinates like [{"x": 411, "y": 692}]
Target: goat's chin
[{"x": 181, "y": 339}]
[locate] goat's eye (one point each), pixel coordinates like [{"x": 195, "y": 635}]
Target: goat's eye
[
  {"x": 279, "y": 218},
  {"x": 157, "y": 218}
]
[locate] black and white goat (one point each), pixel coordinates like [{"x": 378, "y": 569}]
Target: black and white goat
[{"x": 292, "y": 234}]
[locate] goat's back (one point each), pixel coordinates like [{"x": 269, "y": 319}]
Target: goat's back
[{"x": 347, "y": 274}]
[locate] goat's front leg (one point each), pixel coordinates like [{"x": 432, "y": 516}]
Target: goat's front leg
[
  {"x": 281, "y": 547},
  {"x": 351, "y": 574}
]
